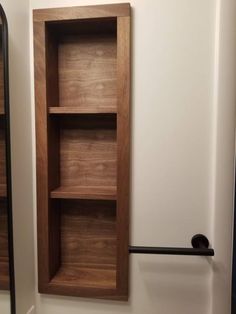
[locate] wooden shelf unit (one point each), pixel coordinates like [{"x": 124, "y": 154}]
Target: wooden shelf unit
[{"x": 82, "y": 89}]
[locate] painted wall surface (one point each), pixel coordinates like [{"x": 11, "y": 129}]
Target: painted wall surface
[
  {"x": 21, "y": 135},
  {"x": 5, "y": 302},
  {"x": 173, "y": 163},
  {"x": 223, "y": 176}
]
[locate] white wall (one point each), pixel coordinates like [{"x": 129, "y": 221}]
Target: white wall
[
  {"x": 223, "y": 175},
  {"x": 182, "y": 165},
  {"x": 173, "y": 142},
  {"x": 18, "y": 19},
  {"x": 5, "y": 302}
]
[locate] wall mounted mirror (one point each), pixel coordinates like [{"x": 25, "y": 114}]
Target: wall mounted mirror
[{"x": 7, "y": 293}]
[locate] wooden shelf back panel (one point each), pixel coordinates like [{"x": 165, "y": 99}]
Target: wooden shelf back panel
[
  {"x": 88, "y": 233},
  {"x": 4, "y": 260},
  {"x": 87, "y": 72},
  {"x": 87, "y": 157},
  {"x": 82, "y": 64},
  {"x": 88, "y": 243},
  {"x": 84, "y": 277}
]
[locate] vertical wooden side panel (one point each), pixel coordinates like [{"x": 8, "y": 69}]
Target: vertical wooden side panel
[
  {"x": 53, "y": 144},
  {"x": 123, "y": 150},
  {"x": 41, "y": 153}
]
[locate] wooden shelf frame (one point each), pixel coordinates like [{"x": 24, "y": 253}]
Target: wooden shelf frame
[{"x": 97, "y": 118}]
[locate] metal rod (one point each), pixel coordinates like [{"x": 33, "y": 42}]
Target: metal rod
[
  {"x": 171, "y": 251},
  {"x": 199, "y": 242}
]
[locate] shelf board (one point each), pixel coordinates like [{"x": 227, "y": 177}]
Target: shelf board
[
  {"x": 81, "y": 110},
  {"x": 4, "y": 276},
  {"x": 85, "y": 192},
  {"x": 85, "y": 277},
  {"x": 3, "y": 190}
]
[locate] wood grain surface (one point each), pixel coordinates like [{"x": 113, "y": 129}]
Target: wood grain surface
[
  {"x": 41, "y": 154},
  {"x": 83, "y": 12},
  {"x": 88, "y": 244},
  {"x": 87, "y": 157},
  {"x": 82, "y": 110},
  {"x": 2, "y": 163},
  {"x": 85, "y": 192},
  {"x": 2, "y": 110},
  {"x": 123, "y": 153},
  {"x": 87, "y": 72},
  {"x": 4, "y": 260}
]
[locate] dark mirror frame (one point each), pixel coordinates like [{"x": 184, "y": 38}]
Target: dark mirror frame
[
  {"x": 4, "y": 31},
  {"x": 233, "y": 293}
]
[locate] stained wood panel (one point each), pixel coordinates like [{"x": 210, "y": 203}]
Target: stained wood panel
[
  {"x": 2, "y": 162},
  {"x": 82, "y": 110},
  {"x": 88, "y": 244},
  {"x": 82, "y": 114},
  {"x": 87, "y": 72},
  {"x": 85, "y": 277},
  {"x": 4, "y": 259},
  {"x": 123, "y": 150},
  {"x": 85, "y": 192},
  {"x": 83, "y": 12},
  {"x": 1, "y": 77},
  {"x": 87, "y": 157},
  {"x": 88, "y": 233}
]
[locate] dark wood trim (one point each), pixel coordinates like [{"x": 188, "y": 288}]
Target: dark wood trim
[
  {"x": 41, "y": 152},
  {"x": 81, "y": 12},
  {"x": 123, "y": 151}
]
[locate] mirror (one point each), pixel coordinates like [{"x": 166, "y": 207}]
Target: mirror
[{"x": 7, "y": 294}]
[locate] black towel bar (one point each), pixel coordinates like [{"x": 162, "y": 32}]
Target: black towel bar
[{"x": 199, "y": 242}]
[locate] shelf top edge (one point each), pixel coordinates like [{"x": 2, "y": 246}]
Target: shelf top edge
[
  {"x": 81, "y": 12},
  {"x": 74, "y": 110}
]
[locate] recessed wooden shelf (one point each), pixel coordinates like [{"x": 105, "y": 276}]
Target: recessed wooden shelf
[
  {"x": 84, "y": 155},
  {"x": 87, "y": 232},
  {"x": 85, "y": 192},
  {"x": 85, "y": 277},
  {"x": 81, "y": 110},
  {"x": 82, "y": 92}
]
